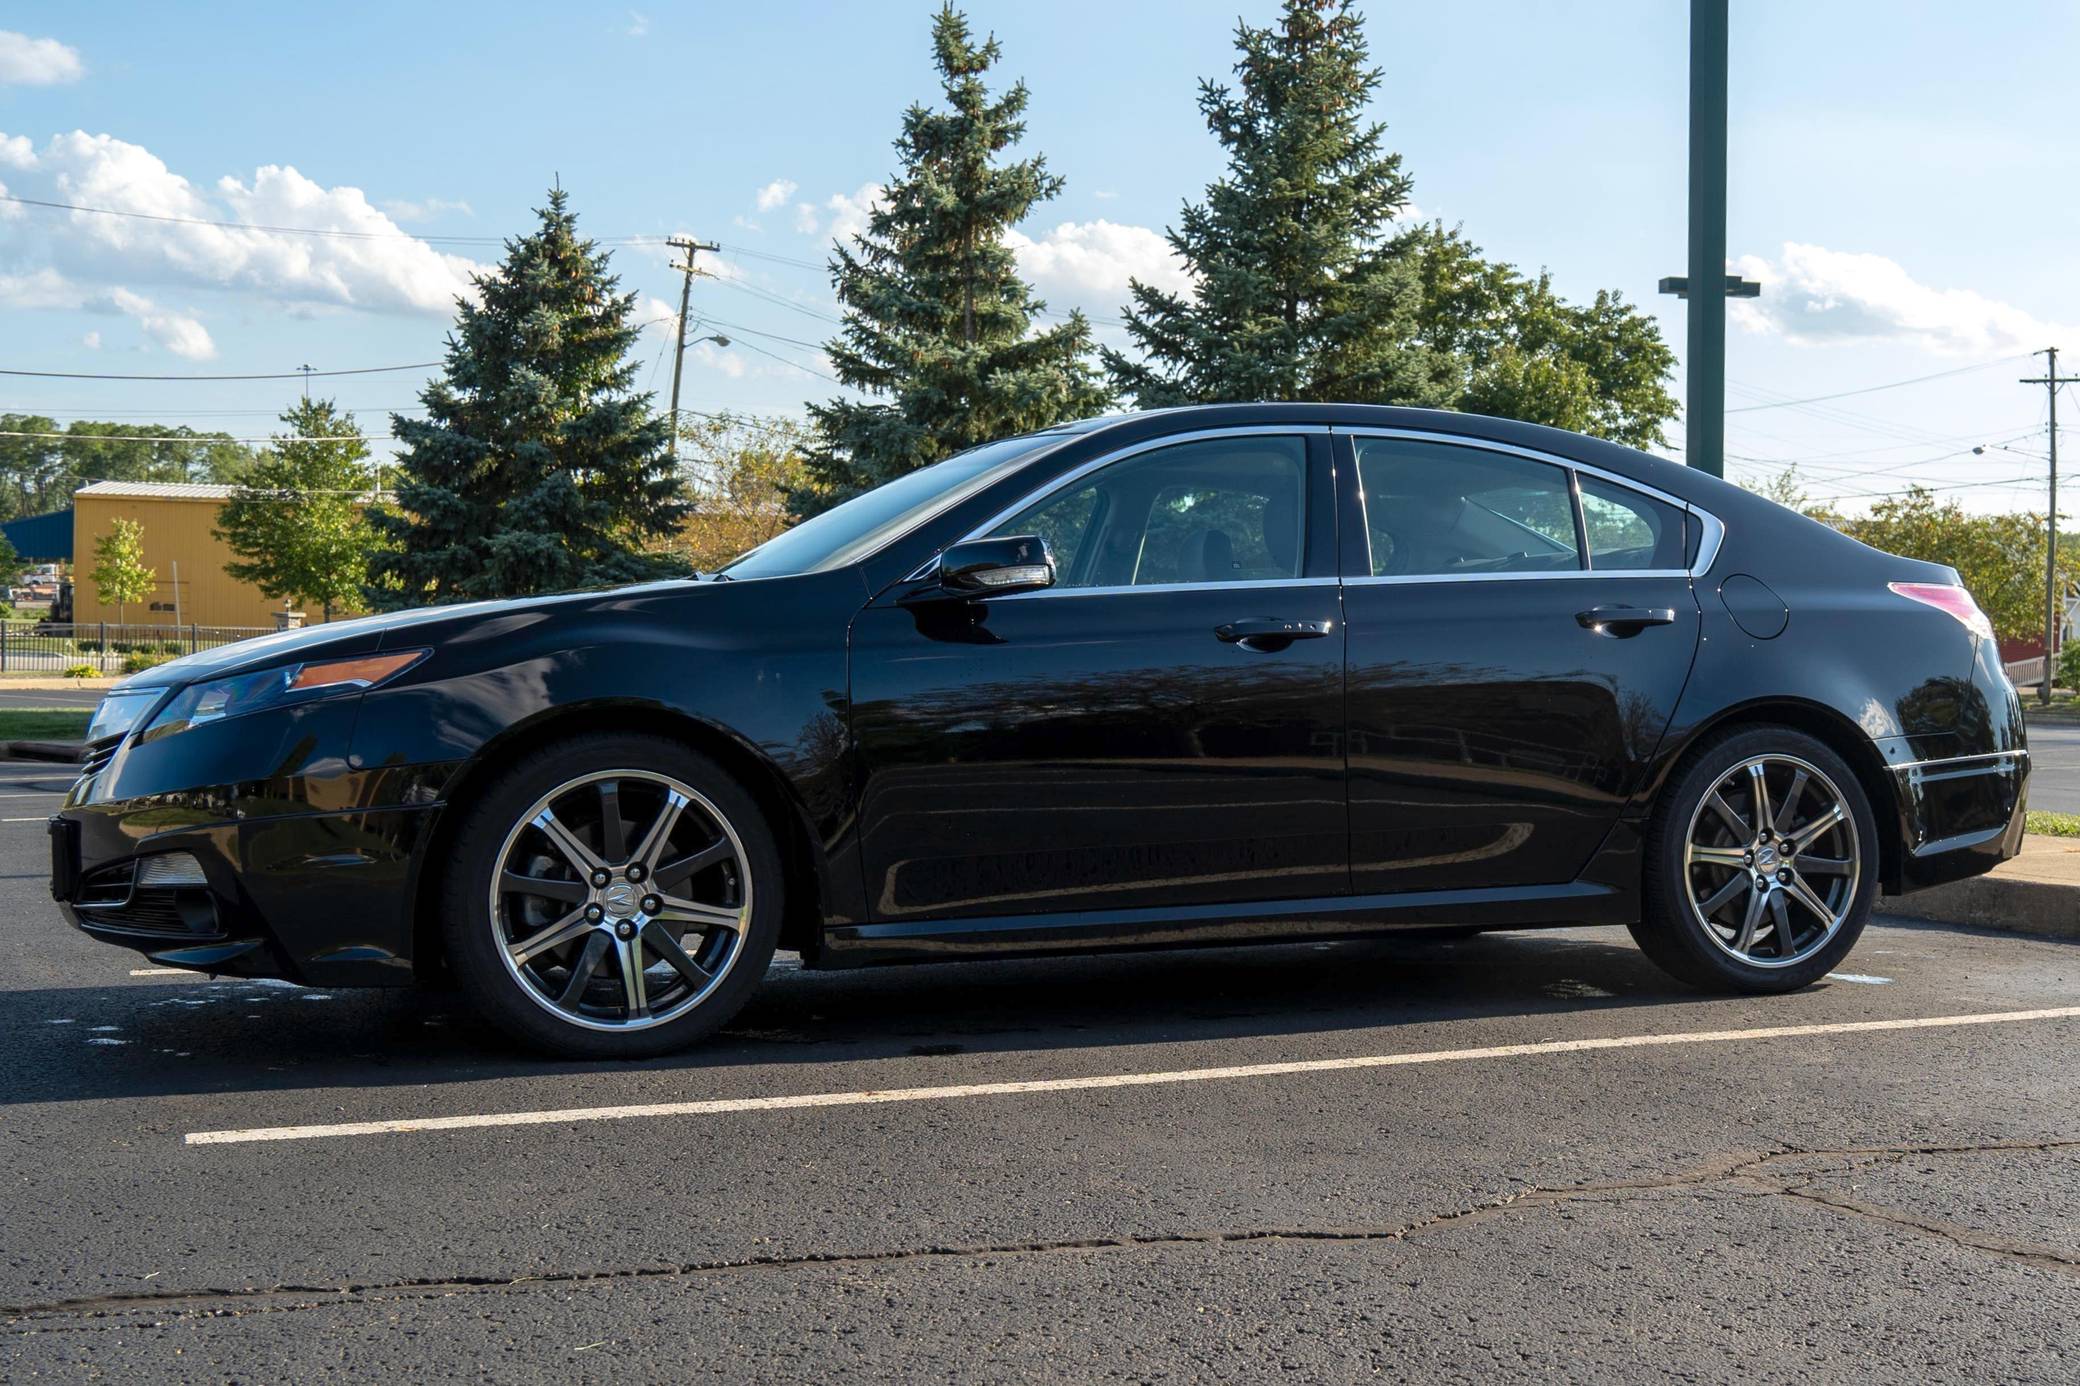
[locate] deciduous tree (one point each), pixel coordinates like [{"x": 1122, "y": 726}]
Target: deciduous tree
[
  {"x": 120, "y": 576},
  {"x": 298, "y": 522}
]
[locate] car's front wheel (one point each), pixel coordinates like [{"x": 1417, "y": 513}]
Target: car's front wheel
[
  {"x": 611, "y": 896},
  {"x": 1762, "y": 864}
]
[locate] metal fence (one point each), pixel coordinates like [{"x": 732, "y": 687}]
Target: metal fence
[{"x": 103, "y": 647}]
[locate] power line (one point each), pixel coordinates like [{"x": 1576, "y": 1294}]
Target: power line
[
  {"x": 272, "y": 375},
  {"x": 199, "y": 438},
  {"x": 1873, "y": 389}
]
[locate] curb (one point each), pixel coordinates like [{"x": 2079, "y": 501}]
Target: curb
[
  {"x": 64, "y": 752},
  {"x": 2048, "y": 909}
]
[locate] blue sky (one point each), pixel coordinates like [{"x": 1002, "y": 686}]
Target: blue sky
[{"x": 1907, "y": 188}]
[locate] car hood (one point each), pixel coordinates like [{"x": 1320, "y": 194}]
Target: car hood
[{"x": 360, "y": 635}]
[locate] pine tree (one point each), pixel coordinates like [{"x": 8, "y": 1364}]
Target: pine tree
[
  {"x": 1304, "y": 292},
  {"x": 539, "y": 467},
  {"x": 297, "y": 522},
  {"x": 938, "y": 324}
]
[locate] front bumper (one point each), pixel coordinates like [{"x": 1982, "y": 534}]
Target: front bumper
[{"x": 323, "y": 899}]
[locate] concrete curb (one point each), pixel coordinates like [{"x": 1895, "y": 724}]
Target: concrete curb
[
  {"x": 64, "y": 752},
  {"x": 2037, "y": 893}
]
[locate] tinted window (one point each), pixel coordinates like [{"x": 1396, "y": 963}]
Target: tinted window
[
  {"x": 850, "y": 532},
  {"x": 1432, "y": 509},
  {"x": 1629, "y": 530},
  {"x": 1217, "y": 510}
]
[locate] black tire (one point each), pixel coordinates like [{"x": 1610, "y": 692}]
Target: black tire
[
  {"x": 473, "y": 938},
  {"x": 1669, "y": 930}
]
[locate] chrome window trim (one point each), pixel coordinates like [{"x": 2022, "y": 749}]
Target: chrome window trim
[
  {"x": 1075, "y": 474},
  {"x": 1237, "y": 585},
  {"x": 1713, "y": 535}
]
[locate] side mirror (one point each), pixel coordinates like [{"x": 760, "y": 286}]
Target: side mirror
[{"x": 985, "y": 567}]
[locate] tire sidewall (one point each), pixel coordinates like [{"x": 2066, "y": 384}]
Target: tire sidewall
[
  {"x": 1667, "y": 904},
  {"x": 470, "y": 938}
]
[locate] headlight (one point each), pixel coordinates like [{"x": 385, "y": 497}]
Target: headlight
[
  {"x": 270, "y": 688},
  {"x": 119, "y": 712}
]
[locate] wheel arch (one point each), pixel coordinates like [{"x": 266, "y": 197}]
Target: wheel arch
[
  {"x": 801, "y": 924},
  {"x": 1832, "y": 729}
]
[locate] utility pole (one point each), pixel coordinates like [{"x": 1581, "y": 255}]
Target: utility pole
[
  {"x": 2051, "y": 380},
  {"x": 306, "y": 371},
  {"x": 691, "y": 248}
]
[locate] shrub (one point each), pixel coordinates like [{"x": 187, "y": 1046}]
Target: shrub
[
  {"x": 2069, "y": 665},
  {"x": 81, "y": 671},
  {"x": 138, "y": 663}
]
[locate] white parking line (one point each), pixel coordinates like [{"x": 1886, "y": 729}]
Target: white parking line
[
  {"x": 162, "y": 972},
  {"x": 719, "y": 1106}
]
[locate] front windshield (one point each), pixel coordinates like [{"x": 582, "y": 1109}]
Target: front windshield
[{"x": 849, "y": 532}]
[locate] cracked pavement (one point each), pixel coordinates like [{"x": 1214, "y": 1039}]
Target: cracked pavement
[{"x": 1899, "y": 1205}]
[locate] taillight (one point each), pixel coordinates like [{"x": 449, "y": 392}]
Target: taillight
[{"x": 1954, "y": 600}]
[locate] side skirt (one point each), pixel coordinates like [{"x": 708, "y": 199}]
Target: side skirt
[{"x": 1261, "y": 921}]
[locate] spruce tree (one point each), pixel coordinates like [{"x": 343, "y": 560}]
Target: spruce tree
[
  {"x": 1304, "y": 292},
  {"x": 297, "y": 521},
  {"x": 539, "y": 467},
  {"x": 938, "y": 324}
]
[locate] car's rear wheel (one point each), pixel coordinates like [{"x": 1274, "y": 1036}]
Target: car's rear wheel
[
  {"x": 612, "y": 896},
  {"x": 1763, "y": 864}
]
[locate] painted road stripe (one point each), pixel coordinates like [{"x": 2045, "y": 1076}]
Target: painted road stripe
[
  {"x": 162, "y": 972},
  {"x": 720, "y": 1106}
]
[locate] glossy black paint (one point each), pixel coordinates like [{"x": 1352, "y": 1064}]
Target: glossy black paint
[{"x": 1023, "y": 772}]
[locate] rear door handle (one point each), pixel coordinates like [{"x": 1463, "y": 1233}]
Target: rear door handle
[
  {"x": 1621, "y": 621},
  {"x": 1269, "y": 633}
]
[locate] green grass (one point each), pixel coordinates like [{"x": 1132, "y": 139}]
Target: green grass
[
  {"x": 2053, "y": 824},
  {"x": 44, "y": 723}
]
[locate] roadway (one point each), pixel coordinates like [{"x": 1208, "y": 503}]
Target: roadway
[{"x": 1513, "y": 1155}]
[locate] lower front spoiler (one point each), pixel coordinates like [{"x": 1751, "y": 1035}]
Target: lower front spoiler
[
  {"x": 1959, "y": 817},
  {"x": 321, "y": 899}
]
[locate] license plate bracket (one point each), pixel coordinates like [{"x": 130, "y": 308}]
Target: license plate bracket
[{"x": 64, "y": 860}]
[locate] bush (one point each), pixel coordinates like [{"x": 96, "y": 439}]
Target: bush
[
  {"x": 81, "y": 671},
  {"x": 2069, "y": 665},
  {"x": 138, "y": 663}
]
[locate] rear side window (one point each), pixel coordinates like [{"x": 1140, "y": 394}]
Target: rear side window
[
  {"x": 1630, "y": 531},
  {"x": 1436, "y": 510}
]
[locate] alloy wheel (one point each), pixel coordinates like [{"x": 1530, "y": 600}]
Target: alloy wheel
[
  {"x": 621, "y": 900},
  {"x": 1771, "y": 862}
]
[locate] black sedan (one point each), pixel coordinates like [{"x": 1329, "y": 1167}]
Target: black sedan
[{"x": 1205, "y": 676}]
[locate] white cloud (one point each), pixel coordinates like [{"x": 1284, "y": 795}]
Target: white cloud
[
  {"x": 1104, "y": 194},
  {"x": 730, "y": 363},
  {"x": 46, "y": 289},
  {"x": 775, "y": 194},
  {"x": 372, "y": 265},
  {"x": 638, "y": 24},
  {"x": 842, "y": 215},
  {"x": 1091, "y": 263},
  {"x": 92, "y": 341},
  {"x": 37, "y": 62},
  {"x": 17, "y": 152},
  {"x": 426, "y": 209},
  {"x": 179, "y": 334},
  {"x": 1815, "y": 296}
]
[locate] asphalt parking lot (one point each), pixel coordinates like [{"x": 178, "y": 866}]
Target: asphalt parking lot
[{"x": 1512, "y": 1155}]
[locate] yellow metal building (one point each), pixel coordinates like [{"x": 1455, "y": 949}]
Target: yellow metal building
[{"x": 178, "y": 520}]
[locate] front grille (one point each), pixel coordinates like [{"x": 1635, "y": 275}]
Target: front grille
[{"x": 96, "y": 755}]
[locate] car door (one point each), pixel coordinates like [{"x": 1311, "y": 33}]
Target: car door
[
  {"x": 1121, "y": 738},
  {"x": 1519, "y": 631}
]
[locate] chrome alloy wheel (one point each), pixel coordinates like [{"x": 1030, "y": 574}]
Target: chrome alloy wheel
[
  {"x": 1771, "y": 861},
  {"x": 622, "y": 900}
]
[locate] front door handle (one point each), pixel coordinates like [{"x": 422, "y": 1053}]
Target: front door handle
[
  {"x": 1269, "y": 633},
  {"x": 1620, "y": 622}
]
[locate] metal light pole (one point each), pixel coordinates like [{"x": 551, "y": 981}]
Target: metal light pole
[{"x": 1704, "y": 362}]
